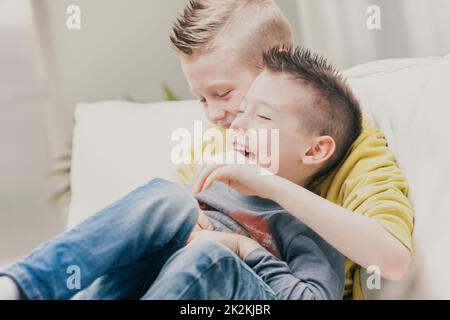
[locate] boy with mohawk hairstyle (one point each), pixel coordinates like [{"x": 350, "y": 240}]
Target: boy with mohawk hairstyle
[{"x": 363, "y": 211}]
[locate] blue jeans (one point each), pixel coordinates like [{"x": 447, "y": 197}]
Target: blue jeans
[{"x": 136, "y": 248}]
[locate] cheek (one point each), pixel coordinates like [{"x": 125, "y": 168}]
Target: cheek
[
  {"x": 290, "y": 147},
  {"x": 242, "y": 86},
  {"x": 235, "y": 103}
]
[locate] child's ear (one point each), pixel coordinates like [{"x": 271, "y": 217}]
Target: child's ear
[{"x": 320, "y": 151}]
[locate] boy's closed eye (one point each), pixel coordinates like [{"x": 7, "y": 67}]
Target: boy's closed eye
[
  {"x": 264, "y": 117},
  {"x": 223, "y": 94}
]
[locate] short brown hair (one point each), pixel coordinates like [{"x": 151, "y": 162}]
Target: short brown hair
[
  {"x": 258, "y": 24},
  {"x": 335, "y": 111}
]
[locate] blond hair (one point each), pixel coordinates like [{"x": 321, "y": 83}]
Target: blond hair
[{"x": 254, "y": 25}]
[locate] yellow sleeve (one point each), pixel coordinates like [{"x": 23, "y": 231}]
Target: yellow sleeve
[
  {"x": 374, "y": 186},
  {"x": 186, "y": 172},
  {"x": 370, "y": 183}
]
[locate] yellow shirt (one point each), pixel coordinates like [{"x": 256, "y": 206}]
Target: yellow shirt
[{"x": 369, "y": 182}]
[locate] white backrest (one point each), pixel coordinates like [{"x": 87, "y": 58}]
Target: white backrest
[{"x": 118, "y": 146}]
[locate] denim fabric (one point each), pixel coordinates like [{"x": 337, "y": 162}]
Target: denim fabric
[
  {"x": 130, "y": 238},
  {"x": 208, "y": 271},
  {"x": 135, "y": 248}
]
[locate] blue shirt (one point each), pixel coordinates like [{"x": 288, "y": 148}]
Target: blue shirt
[{"x": 293, "y": 260}]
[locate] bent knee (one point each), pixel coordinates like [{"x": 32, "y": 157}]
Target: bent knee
[
  {"x": 167, "y": 189},
  {"x": 170, "y": 196},
  {"x": 198, "y": 262},
  {"x": 163, "y": 204},
  {"x": 208, "y": 252}
]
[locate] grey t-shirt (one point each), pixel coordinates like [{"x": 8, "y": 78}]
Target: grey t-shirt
[{"x": 294, "y": 261}]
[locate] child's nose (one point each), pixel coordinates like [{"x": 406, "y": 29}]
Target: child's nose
[
  {"x": 239, "y": 123},
  {"x": 215, "y": 113}
]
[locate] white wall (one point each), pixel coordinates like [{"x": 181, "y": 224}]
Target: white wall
[
  {"x": 27, "y": 215},
  {"x": 46, "y": 70},
  {"x": 409, "y": 28},
  {"x": 121, "y": 50}
]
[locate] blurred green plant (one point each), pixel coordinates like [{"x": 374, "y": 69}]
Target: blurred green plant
[
  {"x": 169, "y": 94},
  {"x": 63, "y": 162}
]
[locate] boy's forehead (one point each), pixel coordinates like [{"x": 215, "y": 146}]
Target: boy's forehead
[
  {"x": 205, "y": 85},
  {"x": 280, "y": 92},
  {"x": 219, "y": 60},
  {"x": 210, "y": 69}
]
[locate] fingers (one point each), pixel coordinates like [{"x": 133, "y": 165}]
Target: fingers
[
  {"x": 197, "y": 176},
  {"x": 221, "y": 174},
  {"x": 197, "y": 228},
  {"x": 202, "y": 175},
  {"x": 225, "y": 174},
  {"x": 196, "y": 236},
  {"x": 203, "y": 221},
  {"x": 191, "y": 237}
]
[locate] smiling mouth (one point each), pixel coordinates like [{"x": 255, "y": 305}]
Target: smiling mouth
[
  {"x": 244, "y": 151},
  {"x": 224, "y": 125}
]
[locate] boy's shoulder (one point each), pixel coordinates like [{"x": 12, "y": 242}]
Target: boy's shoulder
[
  {"x": 368, "y": 181},
  {"x": 367, "y": 154}
]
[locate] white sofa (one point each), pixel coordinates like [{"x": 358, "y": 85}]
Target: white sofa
[{"x": 118, "y": 146}]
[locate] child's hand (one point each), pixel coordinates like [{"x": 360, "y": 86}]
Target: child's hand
[
  {"x": 247, "y": 179},
  {"x": 203, "y": 222},
  {"x": 240, "y": 245}
]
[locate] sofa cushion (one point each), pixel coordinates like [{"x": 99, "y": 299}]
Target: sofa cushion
[{"x": 118, "y": 146}]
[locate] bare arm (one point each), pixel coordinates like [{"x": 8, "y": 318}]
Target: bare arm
[{"x": 361, "y": 239}]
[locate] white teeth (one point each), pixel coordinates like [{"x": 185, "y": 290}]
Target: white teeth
[
  {"x": 240, "y": 147},
  {"x": 244, "y": 150}
]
